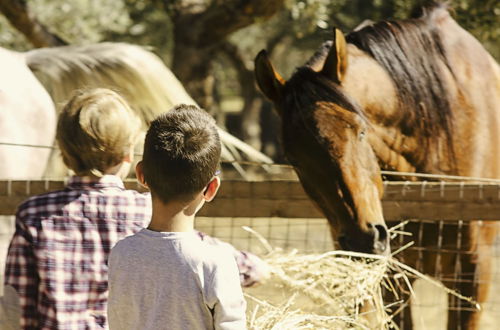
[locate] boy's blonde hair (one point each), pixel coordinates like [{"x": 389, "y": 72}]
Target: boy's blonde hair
[{"x": 96, "y": 131}]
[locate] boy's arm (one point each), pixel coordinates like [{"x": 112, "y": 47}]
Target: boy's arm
[
  {"x": 252, "y": 269},
  {"x": 21, "y": 274},
  {"x": 230, "y": 305}
]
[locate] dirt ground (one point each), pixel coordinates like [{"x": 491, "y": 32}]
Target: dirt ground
[{"x": 306, "y": 235}]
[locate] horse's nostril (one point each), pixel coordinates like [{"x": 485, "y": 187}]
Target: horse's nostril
[
  {"x": 375, "y": 240},
  {"x": 380, "y": 239},
  {"x": 381, "y": 232}
]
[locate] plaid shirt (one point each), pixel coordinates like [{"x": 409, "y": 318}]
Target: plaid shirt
[{"x": 57, "y": 259}]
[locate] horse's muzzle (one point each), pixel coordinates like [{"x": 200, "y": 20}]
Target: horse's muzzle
[{"x": 373, "y": 241}]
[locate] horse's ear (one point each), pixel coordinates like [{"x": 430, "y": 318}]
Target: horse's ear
[
  {"x": 336, "y": 61},
  {"x": 268, "y": 80}
]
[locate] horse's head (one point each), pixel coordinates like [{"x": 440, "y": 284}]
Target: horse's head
[{"x": 326, "y": 139}]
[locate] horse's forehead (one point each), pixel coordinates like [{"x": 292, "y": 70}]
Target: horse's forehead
[
  {"x": 327, "y": 128},
  {"x": 333, "y": 124}
]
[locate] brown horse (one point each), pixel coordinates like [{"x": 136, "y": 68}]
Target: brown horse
[{"x": 419, "y": 95}]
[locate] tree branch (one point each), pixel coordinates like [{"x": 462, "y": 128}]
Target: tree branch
[
  {"x": 18, "y": 14},
  {"x": 199, "y": 29},
  {"x": 223, "y": 18},
  {"x": 245, "y": 74}
]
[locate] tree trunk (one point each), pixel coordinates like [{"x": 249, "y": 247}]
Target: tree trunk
[
  {"x": 193, "y": 67},
  {"x": 200, "y": 28},
  {"x": 250, "y": 114}
]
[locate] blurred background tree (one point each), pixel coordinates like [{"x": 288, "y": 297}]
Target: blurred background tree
[{"x": 210, "y": 44}]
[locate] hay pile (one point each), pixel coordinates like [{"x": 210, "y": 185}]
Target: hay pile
[{"x": 333, "y": 290}]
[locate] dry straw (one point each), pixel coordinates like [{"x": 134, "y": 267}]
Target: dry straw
[{"x": 333, "y": 290}]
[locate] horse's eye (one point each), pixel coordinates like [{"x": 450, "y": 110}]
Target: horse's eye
[{"x": 362, "y": 135}]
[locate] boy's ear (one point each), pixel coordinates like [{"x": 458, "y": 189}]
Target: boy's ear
[
  {"x": 129, "y": 157},
  {"x": 140, "y": 174},
  {"x": 211, "y": 189}
]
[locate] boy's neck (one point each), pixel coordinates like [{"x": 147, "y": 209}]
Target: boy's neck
[
  {"x": 120, "y": 170},
  {"x": 173, "y": 216}
]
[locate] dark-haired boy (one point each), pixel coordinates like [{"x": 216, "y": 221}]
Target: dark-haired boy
[{"x": 164, "y": 277}]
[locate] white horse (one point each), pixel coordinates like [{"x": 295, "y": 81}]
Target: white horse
[{"x": 28, "y": 116}]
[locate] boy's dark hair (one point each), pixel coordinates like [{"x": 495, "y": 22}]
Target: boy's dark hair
[{"x": 181, "y": 153}]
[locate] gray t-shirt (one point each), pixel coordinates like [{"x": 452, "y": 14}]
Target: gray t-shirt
[{"x": 173, "y": 280}]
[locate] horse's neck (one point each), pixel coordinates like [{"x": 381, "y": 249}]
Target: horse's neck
[
  {"x": 392, "y": 149},
  {"x": 371, "y": 86}
]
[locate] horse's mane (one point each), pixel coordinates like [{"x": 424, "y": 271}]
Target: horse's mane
[
  {"x": 133, "y": 71},
  {"x": 411, "y": 51},
  {"x": 137, "y": 74},
  {"x": 306, "y": 86}
]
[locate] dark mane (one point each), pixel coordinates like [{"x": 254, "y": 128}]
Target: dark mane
[
  {"x": 306, "y": 87},
  {"x": 411, "y": 51}
]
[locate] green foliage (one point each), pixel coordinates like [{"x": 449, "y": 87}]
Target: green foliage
[
  {"x": 141, "y": 22},
  {"x": 11, "y": 38},
  {"x": 305, "y": 21},
  {"x": 75, "y": 21},
  {"x": 482, "y": 19},
  {"x": 309, "y": 15},
  {"x": 82, "y": 21},
  {"x": 149, "y": 25}
]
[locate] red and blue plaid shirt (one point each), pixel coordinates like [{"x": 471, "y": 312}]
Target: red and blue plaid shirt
[{"x": 57, "y": 259}]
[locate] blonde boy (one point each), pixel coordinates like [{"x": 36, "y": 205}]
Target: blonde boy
[{"x": 57, "y": 257}]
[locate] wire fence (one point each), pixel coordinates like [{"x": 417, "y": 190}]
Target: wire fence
[
  {"x": 269, "y": 166},
  {"x": 434, "y": 247}
]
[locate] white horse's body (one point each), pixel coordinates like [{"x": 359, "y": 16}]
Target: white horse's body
[{"x": 27, "y": 116}]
